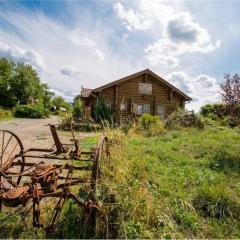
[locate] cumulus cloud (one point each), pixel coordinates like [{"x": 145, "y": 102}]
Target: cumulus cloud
[
  {"x": 202, "y": 88},
  {"x": 70, "y": 71},
  {"x": 18, "y": 54},
  {"x": 131, "y": 19},
  {"x": 182, "y": 35}
]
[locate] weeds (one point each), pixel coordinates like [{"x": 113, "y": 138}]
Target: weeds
[{"x": 217, "y": 202}]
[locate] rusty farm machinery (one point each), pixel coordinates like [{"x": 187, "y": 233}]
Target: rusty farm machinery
[{"x": 29, "y": 176}]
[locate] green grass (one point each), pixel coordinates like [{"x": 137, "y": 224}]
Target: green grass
[
  {"x": 160, "y": 179},
  {"x": 5, "y": 114},
  {"x": 181, "y": 184}
]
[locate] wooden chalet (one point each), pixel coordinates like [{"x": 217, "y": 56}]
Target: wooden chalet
[{"x": 133, "y": 95}]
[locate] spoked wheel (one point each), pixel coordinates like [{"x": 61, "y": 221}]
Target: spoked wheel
[
  {"x": 11, "y": 160},
  {"x": 103, "y": 157},
  {"x": 103, "y": 169}
]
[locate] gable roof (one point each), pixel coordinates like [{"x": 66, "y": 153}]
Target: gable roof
[
  {"x": 86, "y": 92},
  {"x": 146, "y": 71}
]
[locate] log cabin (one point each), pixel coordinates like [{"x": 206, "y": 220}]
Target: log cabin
[{"x": 133, "y": 95}]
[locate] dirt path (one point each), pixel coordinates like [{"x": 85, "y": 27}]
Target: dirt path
[{"x": 34, "y": 132}]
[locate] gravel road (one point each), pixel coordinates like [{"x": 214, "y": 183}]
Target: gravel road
[{"x": 32, "y": 132}]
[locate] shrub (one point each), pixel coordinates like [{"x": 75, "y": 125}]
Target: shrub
[
  {"x": 5, "y": 114},
  {"x": 102, "y": 111},
  {"x": 67, "y": 120},
  {"x": 222, "y": 113},
  {"x": 150, "y": 125},
  {"x": 217, "y": 202},
  {"x": 181, "y": 118},
  {"x": 30, "y": 111},
  {"x": 213, "y": 111}
]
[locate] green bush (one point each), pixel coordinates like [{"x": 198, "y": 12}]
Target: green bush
[
  {"x": 217, "y": 202},
  {"x": 5, "y": 113},
  {"x": 150, "y": 125},
  {"x": 213, "y": 111},
  {"x": 30, "y": 111},
  {"x": 221, "y": 113},
  {"x": 102, "y": 111},
  {"x": 181, "y": 118}
]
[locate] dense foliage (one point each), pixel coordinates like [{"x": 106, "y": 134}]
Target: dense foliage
[
  {"x": 181, "y": 118},
  {"x": 182, "y": 183},
  {"x": 102, "y": 111},
  {"x": 30, "y": 111},
  {"x": 77, "y": 107},
  {"x": 5, "y": 114},
  {"x": 229, "y": 111},
  {"x": 20, "y": 84}
]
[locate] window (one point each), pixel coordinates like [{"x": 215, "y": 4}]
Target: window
[
  {"x": 161, "y": 111},
  {"x": 145, "y": 88},
  {"x": 141, "y": 108},
  {"x": 146, "y": 108}
]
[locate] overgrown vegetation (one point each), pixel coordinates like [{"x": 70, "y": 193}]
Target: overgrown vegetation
[
  {"x": 22, "y": 89},
  {"x": 30, "y": 111},
  {"x": 180, "y": 183},
  {"x": 102, "y": 111},
  {"x": 5, "y": 114},
  {"x": 181, "y": 118}
]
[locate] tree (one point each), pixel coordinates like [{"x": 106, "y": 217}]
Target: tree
[
  {"x": 231, "y": 95},
  {"x": 20, "y": 83},
  {"x": 77, "y": 106},
  {"x": 59, "y": 102},
  {"x": 47, "y": 96},
  {"x": 6, "y": 74}
]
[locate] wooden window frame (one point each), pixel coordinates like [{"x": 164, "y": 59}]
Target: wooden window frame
[{"x": 145, "y": 88}]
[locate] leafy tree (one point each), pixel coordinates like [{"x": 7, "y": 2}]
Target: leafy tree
[
  {"x": 231, "y": 96},
  {"x": 47, "y": 96},
  {"x": 77, "y": 106},
  {"x": 19, "y": 83},
  {"x": 6, "y": 74},
  {"x": 59, "y": 102}
]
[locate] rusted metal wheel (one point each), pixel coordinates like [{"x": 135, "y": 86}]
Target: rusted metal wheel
[
  {"x": 103, "y": 157},
  {"x": 11, "y": 159},
  {"x": 101, "y": 172}
]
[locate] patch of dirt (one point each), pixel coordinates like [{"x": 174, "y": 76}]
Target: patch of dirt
[{"x": 34, "y": 133}]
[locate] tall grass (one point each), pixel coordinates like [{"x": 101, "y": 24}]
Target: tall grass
[{"x": 5, "y": 114}]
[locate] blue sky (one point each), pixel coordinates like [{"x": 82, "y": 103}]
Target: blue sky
[{"x": 192, "y": 44}]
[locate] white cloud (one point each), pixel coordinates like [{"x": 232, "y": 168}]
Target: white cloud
[
  {"x": 182, "y": 35},
  {"x": 89, "y": 51},
  {"x": 99, "y": 54},
  {"x": 18, "y": 54},
  {"x": 131, "y": 19},
  {"x": 202, "y": 88},
  {"x": 70, "y": 71},
  {"x": 80, "y": 39}
]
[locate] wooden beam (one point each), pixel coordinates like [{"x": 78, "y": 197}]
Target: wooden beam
[
  {"x": 154, "y": 105},
  {"x": 170, "y": 95},
  {"x": 145, "y": 77}
]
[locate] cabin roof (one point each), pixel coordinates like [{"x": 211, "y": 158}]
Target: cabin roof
[
  {"x": 86, "y": 92},
  {"x": 146, "y": 71}
]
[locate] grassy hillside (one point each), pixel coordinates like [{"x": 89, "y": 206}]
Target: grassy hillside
[{"x": 180, "y": 184}]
